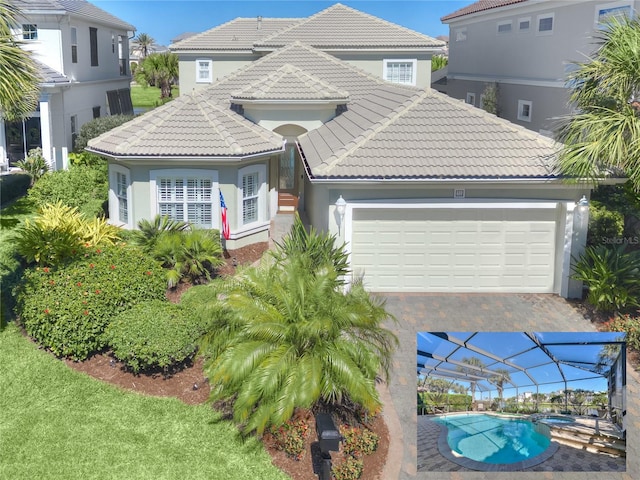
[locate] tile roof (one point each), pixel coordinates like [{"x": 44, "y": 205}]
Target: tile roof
[
  {"x": 189, "y": 126},
  {"x": 479, "y": 6},
  {"x": 387, "y": 131},
  {"x": 291, "y": 83},
  {"x": 432, "y": 136},
  {"x": 237, "y": 34},
  {"x": 77, "y": 7},
  {"x": 342, "y": 27},
  {"x": 49, "y": 75}
]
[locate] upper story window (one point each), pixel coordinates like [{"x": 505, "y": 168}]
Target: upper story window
[
  {"x": 113, "y": 43},
  {"x": 74, "y": 45},
  {"x": 524, "y": 24},
  {"x": 504, "y": 27},
  {"x": 400, "y": 71},
  {"x": 471, "y": 98},
  {"x": 524, "y": 110},
  {"x": 93, "y": 42},
  {"x": 545, "y": 24},
  {"x": 29, "y": 31},
  {"x": 204, "y": 71}
]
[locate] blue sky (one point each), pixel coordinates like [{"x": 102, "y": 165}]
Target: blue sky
[{"x": 164, "y": 20}]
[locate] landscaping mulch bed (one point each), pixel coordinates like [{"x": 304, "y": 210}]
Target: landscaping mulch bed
[{"x": 190, "y": 386}]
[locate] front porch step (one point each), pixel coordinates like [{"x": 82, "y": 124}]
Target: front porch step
[
  {"x": 590, "y": 442},
  {"x": 287, "y": 203}
]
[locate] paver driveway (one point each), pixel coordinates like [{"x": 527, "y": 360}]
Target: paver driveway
[{"x": 480, "y": 312}]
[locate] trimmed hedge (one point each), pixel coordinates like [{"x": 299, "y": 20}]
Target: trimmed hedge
[
  {"x": 13, "y": 186},
  {"x": 155, "y": 334},
  {"x": 67, "y": 308}
]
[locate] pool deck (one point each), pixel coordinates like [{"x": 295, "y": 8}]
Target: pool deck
[{"x": 565, "y": 459}]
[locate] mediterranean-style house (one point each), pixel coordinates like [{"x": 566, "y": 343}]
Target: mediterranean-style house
[
  {"x": 82, "y": 52},
  {"x": 429, "y": 193},
  {"x": 526, "y": 48}
]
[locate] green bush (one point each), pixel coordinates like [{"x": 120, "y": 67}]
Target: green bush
[
  {"x": 152, "y": 335},
  {"x": 612, "y": 276},
  {"x": 34, "y": 165},
  {"x": 290, "y": 436},
  {"x": 358, "y": 441},
  {"x": 82, "y": 186},
  {"x": 629, "y": 325},
  {"x": 97, "y": 127},
  {"x": 604, "y": 225},
  {"x": 13, "y": 186},
  {"x": 67, "y": 308},
  {"x": 349, "y": 469}
]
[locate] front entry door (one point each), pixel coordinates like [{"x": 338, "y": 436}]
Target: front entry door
[{"x": 288, "y": 179}]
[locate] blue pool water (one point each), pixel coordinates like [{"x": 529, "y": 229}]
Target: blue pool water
[
  {"x": 491, "y": 439},
  {"x": 557, "y": 420}
]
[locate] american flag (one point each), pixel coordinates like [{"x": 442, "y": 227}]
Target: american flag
[{"x": 225, "y": 221}]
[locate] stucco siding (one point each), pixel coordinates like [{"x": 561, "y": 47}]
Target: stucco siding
[
  {"x": 223, "y": 65},
  {"x": 373, "y": 63}
]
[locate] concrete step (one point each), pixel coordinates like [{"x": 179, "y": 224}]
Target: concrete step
[{"x": 590, "y": 442}]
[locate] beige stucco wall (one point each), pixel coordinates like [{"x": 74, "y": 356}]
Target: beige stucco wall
[
  {"x": 306, "y": 116},
  {"x": 223, "y": 65},
  {"x": 373, "y": 63}
]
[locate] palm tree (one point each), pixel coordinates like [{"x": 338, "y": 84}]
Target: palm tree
[
  {"x": 475, "y": 362},
  {"x": 501, "y": 377},
  {"x": 161, "y": 70},
  {"x": 143, "y": 45},
  {"x": 20, "y": 80},
  {"x": 603, "y": 138},
  {"x": 290, "y": 337}
]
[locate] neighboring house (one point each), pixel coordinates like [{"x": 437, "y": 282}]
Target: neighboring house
[
  {"x": 379, "y": 47},
  {"x": 440, "y": 196},
  {"x": 82, "y": 52},
  {"x": 527, "y": 48},
  {"x": 135, "y": 58}
]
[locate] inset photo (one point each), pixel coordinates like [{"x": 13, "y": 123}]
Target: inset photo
[{"x": 521, "y": 401}]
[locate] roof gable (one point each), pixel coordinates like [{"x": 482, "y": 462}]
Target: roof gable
[
  {"x": 81, "y": 8},
  {"x": 479, "y": 6},
  {"x": 291, "y": 83},
  {"x": 342, "y": 27}
]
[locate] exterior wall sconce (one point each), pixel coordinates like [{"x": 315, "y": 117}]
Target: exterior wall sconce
[
  {"x": 583, "y": 211},
  {"x": 341, "y": 208}
]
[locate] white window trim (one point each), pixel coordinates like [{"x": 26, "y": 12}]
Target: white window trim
[
  {"x": 261, "y": 170},
  {"x": 524, "y": 19},
  {"x": 503, "y": 23},
  {"x": 73, "y": 44},
  {"x": 185, "y": 173},
  {"x": 209, "y": 79},
  {"x": 481, "y": 103},
  {"x": 471, "y": 98},
  {"x": 414, "y": 68},
  {"x": 620, "y": 7},
  {"x": 542, "y": 17},
  {"x": 114, "y": 202},
  {"x": 521, "y": 103}
]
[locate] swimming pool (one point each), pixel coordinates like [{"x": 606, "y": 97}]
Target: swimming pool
[{"x": 494, "y": 440}]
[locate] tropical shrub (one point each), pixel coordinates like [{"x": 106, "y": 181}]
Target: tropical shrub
[
  {"x": 191, "y": 255},
  {"x": 82, "y": 186},
  {"x": 358, "y": 441},
  {"x": 291, "y": 337},
  {"x": 349, "y": 469},
  {"x": 438, "y": 62},
  {"x": 290, "y": 436},
  {"x": 34, "y": 165},
  {"x": 612, "y": 276},
  {"x": 13, "y": 186},
  {"x": 604, "y": 225},
  {"x": 97, "y": 127},
  {"x": 59, "y": 233},
  {"x": 66, "y": 308},
  {"x": 156, "y": 334},
  {"x": 629, "y": 325},
  {"x": 149, "y": 231}
]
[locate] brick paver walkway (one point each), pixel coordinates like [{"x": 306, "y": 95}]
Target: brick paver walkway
[{"x": 498, "y": 313}]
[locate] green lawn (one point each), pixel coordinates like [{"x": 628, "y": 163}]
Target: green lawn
[
  {"x": 56, "y": 423},
  {"x": 148, "y": 97}
]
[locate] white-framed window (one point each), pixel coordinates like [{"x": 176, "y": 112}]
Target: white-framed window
[
  {"x": 481, "y": 104},
  {"x": 74, "y": 45},
  {"x": 524, "y": 110},
  {"x": 204, "y": 70},
  {"x": 545, "y": 23},
  {"x": 252, "y": 195},
  {"x": 524, "y": 24},
  {"x": 29, "y": 31},
  {"x": 400, "y": 70},
  {"x": 504, "y": 27},
  {"x": 113, "y": 42},
  {"x": 186, "y": 195},
  {"x": 609, "y": 11},
  {"x": 119, "y": 194},
  {"x": 461, "y": 34},
  {"x": 471, "y": 98}
]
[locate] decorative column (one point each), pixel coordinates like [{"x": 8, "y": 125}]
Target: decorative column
[{"x": 46, "y": 133}]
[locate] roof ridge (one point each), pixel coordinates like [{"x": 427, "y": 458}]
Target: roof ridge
[
  {"x": 286, "y": 29},
  {"x": 198, "y": 35}
]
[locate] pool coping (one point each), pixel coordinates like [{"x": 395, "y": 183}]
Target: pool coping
[{"x": 445, "y": 451}]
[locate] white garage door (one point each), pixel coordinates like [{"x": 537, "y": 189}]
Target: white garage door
[{"x": 457, "y": 250}]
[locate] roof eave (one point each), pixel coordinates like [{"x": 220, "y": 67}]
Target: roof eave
[
  {"x": 373, "y": 49},
  {"x": 192, "y": 158}
]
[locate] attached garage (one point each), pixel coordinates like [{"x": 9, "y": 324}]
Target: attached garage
[{"x": 481, "y": 247}]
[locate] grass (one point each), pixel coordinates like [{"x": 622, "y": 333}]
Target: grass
[
  {"x": 57, "y": 423},
  {"x": 148, "y": 97}
]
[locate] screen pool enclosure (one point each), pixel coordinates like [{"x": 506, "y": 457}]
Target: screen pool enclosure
[{"x": 522, "y": 372}]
